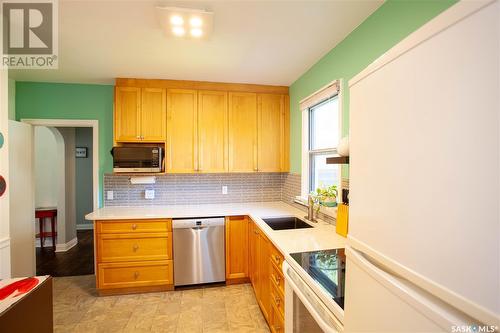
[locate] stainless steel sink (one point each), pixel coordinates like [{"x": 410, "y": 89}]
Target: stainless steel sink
[{"x": 286, "y": 223}]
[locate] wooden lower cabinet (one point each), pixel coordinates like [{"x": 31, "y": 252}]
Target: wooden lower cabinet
[
  {"x": 133, "y": 256},
  {"x": 266, "y": 276},
  {"x": 236, "y": 249},
  {"x": 276, "y": 321}
]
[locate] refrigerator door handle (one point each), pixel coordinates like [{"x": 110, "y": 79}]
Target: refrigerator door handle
[{"x": 441, "y": 313}]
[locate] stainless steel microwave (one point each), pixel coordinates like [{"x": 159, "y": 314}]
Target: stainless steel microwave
[{"x": 137, "y": 159}]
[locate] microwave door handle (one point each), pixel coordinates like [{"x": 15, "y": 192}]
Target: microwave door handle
[{"x": 327, "y": 328}]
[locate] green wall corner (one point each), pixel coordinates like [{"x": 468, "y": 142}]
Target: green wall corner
[
  {"x": 39, "y": 100},
  {"x": 388, "y": 25}
]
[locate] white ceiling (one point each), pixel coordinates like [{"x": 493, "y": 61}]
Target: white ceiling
[{"x": 267, "y": 42}]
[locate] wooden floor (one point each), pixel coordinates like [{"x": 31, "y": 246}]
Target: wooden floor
[{"x": 79, "y": 260}]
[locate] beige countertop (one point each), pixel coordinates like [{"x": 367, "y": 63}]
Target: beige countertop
[{"x": 321, "y": 236}]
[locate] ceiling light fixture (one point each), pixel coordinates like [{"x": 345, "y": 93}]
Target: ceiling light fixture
[
  {"x": 196, "y": 32},
  {"x": 177, "y": 21},
  {"x": 178, "y": 31},
  {"x": 195, "y": 22}
]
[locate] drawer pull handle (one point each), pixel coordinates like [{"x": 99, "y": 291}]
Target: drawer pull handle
[
  {"x": 256, "y": 232},
  {"x": 277, "y": 280},
  {"x": 277, "y": 300},
  {"x": 136, "y": 275},
  {"x": 135, "y": 247},
  {"x": 277, "y": 259},
  {"x": 134, "y": 226}
]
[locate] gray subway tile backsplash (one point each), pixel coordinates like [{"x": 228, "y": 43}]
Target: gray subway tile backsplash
[{"x": 196, "y": 189}]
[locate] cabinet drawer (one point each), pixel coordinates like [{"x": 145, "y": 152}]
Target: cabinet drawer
[
  {"x": 276, "y": 323},
  {"x": 277, "y": 279},
  {"x": 133, "y": 226},
  {"x": 276, "y": 257},
  {"x": 277, "y": 300},
  {"x": 135, "y": 274},
  {"x": 134, "y": 247}
]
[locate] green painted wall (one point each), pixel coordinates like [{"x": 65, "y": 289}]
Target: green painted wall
[
  {"x": 71, "y": 101},
  {"x": 388, "y": 25}
]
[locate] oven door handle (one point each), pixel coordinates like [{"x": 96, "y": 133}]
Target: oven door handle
[{"x": 306, "y": 300}]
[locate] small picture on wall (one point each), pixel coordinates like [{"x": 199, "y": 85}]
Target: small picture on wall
[{"x": 81, "y": 152}]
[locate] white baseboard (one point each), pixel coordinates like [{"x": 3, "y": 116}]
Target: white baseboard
[
  {"x": 59, "y": 247},
  {"x": 66, "y": 246},
  {"x": 85, "y": 226}
]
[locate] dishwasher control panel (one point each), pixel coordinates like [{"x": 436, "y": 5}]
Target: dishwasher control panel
[{"x": 197, "y": 222}]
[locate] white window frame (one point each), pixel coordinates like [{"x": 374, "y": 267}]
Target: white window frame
[{"x": 305, "y": 174}]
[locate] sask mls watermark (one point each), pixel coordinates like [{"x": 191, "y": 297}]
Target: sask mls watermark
[{"x": 29, "y": 34}]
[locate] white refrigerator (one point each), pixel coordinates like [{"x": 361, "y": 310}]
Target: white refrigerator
[{"x": 423, "y": 250}]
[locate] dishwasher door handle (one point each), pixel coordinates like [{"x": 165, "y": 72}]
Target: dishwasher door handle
[{"x": 198, "y": 228}]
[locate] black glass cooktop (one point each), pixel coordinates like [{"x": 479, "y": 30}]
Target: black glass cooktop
[{"x": 327, "y": 268}]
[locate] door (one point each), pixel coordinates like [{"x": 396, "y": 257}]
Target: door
[
  {"x": 153, "y": 115},
  {"x": 127, "y": 114},
  {"x": 271, "y": 132},
  {"x": 22, "y": 200},
  {"x": 182, "y": 110},
  {"x": 236, "y": 247},
  {"x": 242, "y": 132},
  {"x": 212, "y": 131}
]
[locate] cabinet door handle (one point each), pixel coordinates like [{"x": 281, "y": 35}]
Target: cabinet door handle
[
  {"x": 134, "y": 226},
  {"x": 135, "y": 247},
  {"x": 138, "y": 137},
  {"x": 256, "y": 232},
  {"x": 136, "y": 275}
]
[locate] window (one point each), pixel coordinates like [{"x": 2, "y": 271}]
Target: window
[
  {"x": 323, "y": 140},
  {"x": 321, "y": 134}
]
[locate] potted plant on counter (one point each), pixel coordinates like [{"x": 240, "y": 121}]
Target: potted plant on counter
[{"x": 326, "y": 196}]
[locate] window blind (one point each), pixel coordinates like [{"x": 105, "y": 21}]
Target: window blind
[{"x": 324, "y": 93}]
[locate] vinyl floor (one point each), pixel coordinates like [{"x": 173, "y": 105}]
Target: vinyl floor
[{"x": 77, "y": 308}]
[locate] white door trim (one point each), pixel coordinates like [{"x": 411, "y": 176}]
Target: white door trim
[{"x": 95, "y": 144}]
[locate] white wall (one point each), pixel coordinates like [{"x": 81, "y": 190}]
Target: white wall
[
  {"x": 4, "y": 172},
  {"x": 46, "y": 168},
  {"x": 68, "y": 134},
  {"x": 55, "y": 178}
]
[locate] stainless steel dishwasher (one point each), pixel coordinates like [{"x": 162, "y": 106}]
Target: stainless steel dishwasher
[{"x": 199, "y": 251}]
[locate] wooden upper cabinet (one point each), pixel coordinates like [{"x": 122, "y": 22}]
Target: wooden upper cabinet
[
  {"x": 242, "y": 132},
  {"x": 212, "y": 131},
  {"x": 127, "y": 114},
  {"x": 271, "y": 132},
  {"x": 182, "y": 115},
  {"x": 140, "y": 115},
  {"x": 236, "y": 248},
  {"x": 154, "y": 115}
]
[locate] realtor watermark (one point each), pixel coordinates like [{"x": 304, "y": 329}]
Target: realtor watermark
[
  {"x": 29, "y": 34},
  {"x": 474, "y": 329}
]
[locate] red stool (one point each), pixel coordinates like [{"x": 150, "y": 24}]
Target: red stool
[{"x": 41, "y": 214}]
